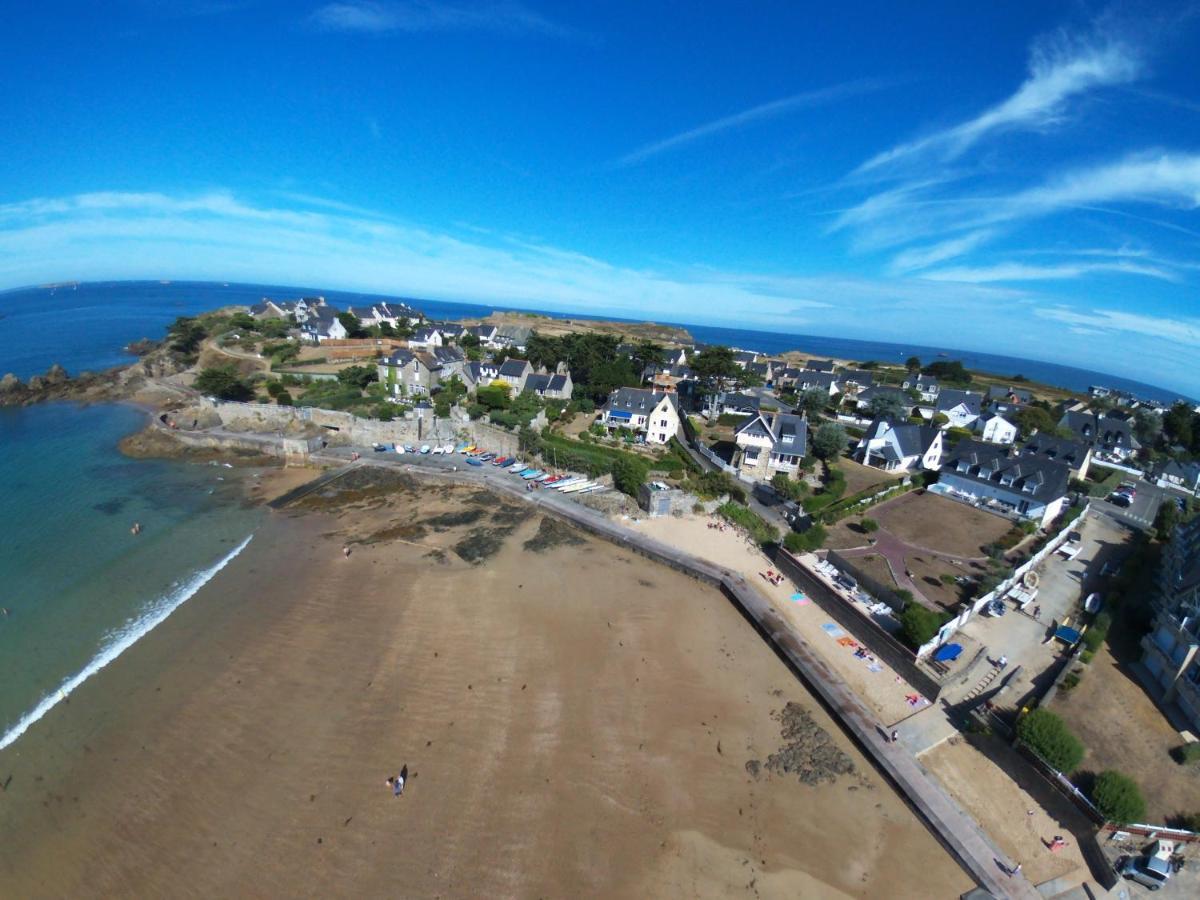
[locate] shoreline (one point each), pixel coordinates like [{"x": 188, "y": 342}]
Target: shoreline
[{"x": 252, "y": 664}]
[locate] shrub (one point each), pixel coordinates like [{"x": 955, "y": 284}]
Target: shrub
[
  {"x": 224, "y": 383},
  {"x": 1070, "y": 681},
  {"x": 1048, "y": 736},
  {"x": 762, "y": 532},
  {"x": 1117, "y": 796},
  {"x": 1186, "y": 754},
  {"x": 275, "y": 388},
  {"x": 869, "y": 525},
  {"x": 918, "y": 625},
  {"x": 628, "y": 476},
  {"x": 1095, "y": 635},
  {"x": 805, "y": 541},
  {"x": 284, "y": 398}
]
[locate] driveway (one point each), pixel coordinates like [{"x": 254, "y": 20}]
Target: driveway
[{"x": 1144, "y": 508}]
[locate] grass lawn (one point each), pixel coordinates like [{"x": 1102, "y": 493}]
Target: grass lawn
[
  {"x": 1122, "y": 728},
  {"x": 927, "y": 571},
  {"x": 860, "y": 477},
  {"x": 927, "y": 520},
  {"x": 877, "y": 567},
  {"x": 844, "y": 534}
]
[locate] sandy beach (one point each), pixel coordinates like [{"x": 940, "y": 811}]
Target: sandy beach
[{"x": 575, "y": 720}]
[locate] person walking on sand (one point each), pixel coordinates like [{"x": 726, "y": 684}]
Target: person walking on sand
[
  {"x": 895, "y": 735},
  {"x": 1015, "y": 870},
  {"x": 346, "y": 551}
]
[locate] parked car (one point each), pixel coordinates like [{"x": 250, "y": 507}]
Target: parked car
[
  {"x": 1150, "y": 871},
  {"x": 1122, "y": 500},
  {"x": 1110, "y": 568}
]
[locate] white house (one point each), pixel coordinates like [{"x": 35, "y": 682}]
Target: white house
[
  {"x": 960, "y": 407},
  {"x": 514, "y": 372},
  {"x": 1106, "y": 434},
  {"x": 1028, "y": 486},
  {"x": 925, "y": 385},
  {"x": 426, "y": 338},
  {"x": 995, "y": 429},
  {"x": 900, "y": 447},
  {"x": 1177, "y": 475},
  {"x": 655, "y": 415},
  {"x": 772, "y": 443},
  {"x": 394, "y": 314},
  {"x": 816, "y": 381},
  {"x": 323, "y": 324}
]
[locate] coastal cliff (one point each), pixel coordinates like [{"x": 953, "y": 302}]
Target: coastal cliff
[{"x": 118, "y": 383}]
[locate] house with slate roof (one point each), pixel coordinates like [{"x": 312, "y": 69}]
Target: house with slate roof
[
  {"x": 962, "y": 408},
  {"x": 653, "y": 414},
  {"x": 556, "y": 386},
  {"x": 852, "y": 381},
  {"x": 771, "y": 443},
  {"x": 281, "y": 309},
  {"x": 1179, "y": 476},
  {"x": 1008, "y": 394},
  {"x": 807, "y": 380},
  {"x": 514, "y": 372},
  {"x": 986, "y": 475},
  {"x": 743, "y": 404},
  {"x": 1076, "y": 454},
  {"x": 925, "y": 385},
  {"x": 863, "y": 401},
  {"x": 322, "y": 324},
  {"x": 821, "y": 365},
  {"x": 394, "y": 314},
  {"x": 408, "y": 373},
  {"x": 1171, "y": 651},
  {"x": 995, "y": 429},
  {"x": 1105, "y": 434},
  {"x": 426, "y": 338},
  {"x": 900, "y": 447}
]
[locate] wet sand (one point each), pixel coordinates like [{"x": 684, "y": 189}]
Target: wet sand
[{"x": 576, "y": 721}]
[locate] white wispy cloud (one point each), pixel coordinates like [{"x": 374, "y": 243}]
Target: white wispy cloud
[
  {"x": 383, "y": 16},
  {"x": 1181, "y": 330},
  {"x": 1060, "y": 68},
  {"x": 803, "y": 100},
  {"x": 1023, "y": 272},
  {"x": 923, "y": 257}
]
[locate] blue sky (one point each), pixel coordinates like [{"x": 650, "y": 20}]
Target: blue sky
[{"x": 1020, "y": 178}]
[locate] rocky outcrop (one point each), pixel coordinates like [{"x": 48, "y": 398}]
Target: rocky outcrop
[{"x": 57, "y": 384}]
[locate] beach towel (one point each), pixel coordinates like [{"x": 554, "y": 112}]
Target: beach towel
[
  {"x": 800, "y": 599},
  {"x": 832, "y": 630},
  {"x": 874, "y": 667},
  {"x": 847, "y": 642}
]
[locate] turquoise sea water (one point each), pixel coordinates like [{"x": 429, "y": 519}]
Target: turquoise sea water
[{"x": 77, "y": 585}]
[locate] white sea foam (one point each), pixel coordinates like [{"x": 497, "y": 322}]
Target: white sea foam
[{"x": 121, "y": 639}]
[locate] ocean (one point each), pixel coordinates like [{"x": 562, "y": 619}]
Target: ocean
[{"x": 78, "y": 588}]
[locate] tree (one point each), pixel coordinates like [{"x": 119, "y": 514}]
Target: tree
[
  {"x": 494, "y": 396},
  {"x": 786, "y": 486},
  {"x": 888, "y": 406},
  {"x": 1118, "y": 798},
  {"x": 647, "y": 353},
  {"x": 712, "y": 366},
  {"x": 1033, "y": 418},
  {"x": 358, "y": 376},
  {"x": 1166, "y": 519},
  {"x": 829, "y": 441},
  {"x": 869, "y": 526},
  {"x": 913, "y": 364},
  {"x": 386, "y": 329},
  {"x": 1048, "y": 736},
  {"x": 950, "y": 371},
  {"x": 812, "y": 402},
  {"x": 241, "y": 321},
  {"x": 918, "y": 625},
  {"x": 1177, "y": 425},
  {"x": 185, "y": 335},
  {"x": 1146, "y": 426},
  {"x": 224, "y": 383},
  {"x": 352, "y": 325},
  {"x": 805, "y": 541},
  {"x": 628, "y": 475}
]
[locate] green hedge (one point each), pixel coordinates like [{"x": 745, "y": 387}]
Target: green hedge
[
  {"x": 811, "y": 539},
  {"x": 1117, "y": 796},
  {"x": 1048, "y": 736},
  {"x": 594, "y": 460}
]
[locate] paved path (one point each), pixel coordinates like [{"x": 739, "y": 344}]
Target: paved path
[{"x": 958, "y": 832}]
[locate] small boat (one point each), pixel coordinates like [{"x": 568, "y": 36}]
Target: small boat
[
  {"x": 409, "y": 448},
  {"x": 501, "y": 460},
  {"x": 425, "y": 448},
  {"x": 544, "y": 477},
  {"x": 567, "y": 482},
  {"x": 1094, "y": 602},
  {"x": 399, "y": 448},
  {"x": 532, "y": 475},
  {"x": 472, "y": 461},
  {"x": 460, "y": 448},
  {"x": 487, "y": 457},
  {"x": 576, "y": 488},
  {"x": 523, "y": 472},
  {"x": 470, "y": 448},
  {"x": 448, "y": 449},
  {"x": 513, "y": 463}
]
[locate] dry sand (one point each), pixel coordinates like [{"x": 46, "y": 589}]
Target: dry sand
[{"x": 576, "y": 721}]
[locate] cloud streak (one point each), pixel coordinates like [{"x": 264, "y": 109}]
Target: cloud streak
[
  {"x": 388, "y": 16},
  {"x": 1060, "y": 69},
  {"x": 762, "y": 112}
]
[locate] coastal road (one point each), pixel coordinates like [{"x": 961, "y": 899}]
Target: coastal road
[
  {"x": 1142, "y": 512},
  {"x": 957, "y": 830}
]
